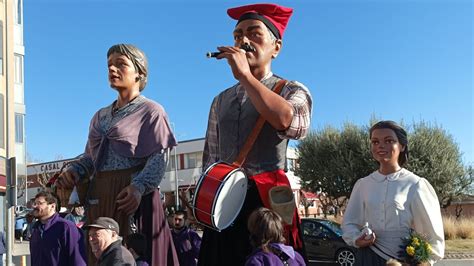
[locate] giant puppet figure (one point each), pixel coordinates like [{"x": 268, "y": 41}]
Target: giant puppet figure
[
  {"x": 257, "y": 41},
  {"x": 125, "y": 157}
]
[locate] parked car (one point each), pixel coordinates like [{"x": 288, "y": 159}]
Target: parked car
[
  {"x": 20, "y": 227},
  {"x": 323, "y": 241},
  {"x": 22, "y": 216},
  {"x": 21, "y": 210}
]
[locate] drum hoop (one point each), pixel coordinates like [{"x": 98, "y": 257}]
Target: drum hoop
[
  {"x": 198, "y": 187},
  {"x": 219, "y": 191}
]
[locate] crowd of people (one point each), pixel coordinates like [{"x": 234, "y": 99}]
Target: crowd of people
[{"x": 122, "y": 219}]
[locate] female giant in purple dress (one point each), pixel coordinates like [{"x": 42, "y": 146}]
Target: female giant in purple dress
[{"x": 125, "y": 157}]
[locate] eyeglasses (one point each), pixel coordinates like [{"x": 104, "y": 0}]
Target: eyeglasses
[{"x": 36, "y": 203}]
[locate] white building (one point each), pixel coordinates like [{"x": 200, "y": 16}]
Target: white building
[{"x": 188, "y": 158}]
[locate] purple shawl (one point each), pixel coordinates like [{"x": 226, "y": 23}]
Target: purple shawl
[{"x": 138, "y": 135}]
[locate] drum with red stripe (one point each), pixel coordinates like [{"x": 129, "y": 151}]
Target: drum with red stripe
[{"x": 220, "y": 194}]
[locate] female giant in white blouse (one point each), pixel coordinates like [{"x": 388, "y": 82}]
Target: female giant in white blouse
[{"x": 392, "y": 200}]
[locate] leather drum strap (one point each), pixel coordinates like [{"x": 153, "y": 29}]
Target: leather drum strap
[{"x": 255, "y": 131}]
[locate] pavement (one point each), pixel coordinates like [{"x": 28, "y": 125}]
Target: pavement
[
  {"x": 444, "y": 262},
  {"x": 21, "y": 256},
  {"x": 456, "y": 259},
  {"x": 21, "y": 248},
  {"x": 459, "y": 256},
  {"x": 455, "y": 262}
]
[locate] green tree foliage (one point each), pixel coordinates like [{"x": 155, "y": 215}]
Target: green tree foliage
[
  {"x": 331, "y": 161},
  {"x": 435, "y": 156}
]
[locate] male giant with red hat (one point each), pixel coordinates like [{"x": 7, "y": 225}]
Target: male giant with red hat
[{"x": 233, "y": 115}]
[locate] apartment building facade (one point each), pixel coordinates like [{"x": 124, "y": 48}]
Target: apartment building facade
[{"x": 12, "y": 102}]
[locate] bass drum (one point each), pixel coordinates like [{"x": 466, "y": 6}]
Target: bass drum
[{"x": 220, "y": 194}]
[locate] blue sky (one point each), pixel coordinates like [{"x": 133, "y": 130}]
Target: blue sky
[{"x": 399, "y": 60}]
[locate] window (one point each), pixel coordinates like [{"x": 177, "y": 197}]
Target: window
[
  {"x": 314, "y": 229},
  {"x": 18, "y": 69},
  {"x": 1, "y": 47},
  {"x": 171, "y": 164},
  {"x": 2, "y": 122},
  {"x": 19, "y": 128},
  {"x": 194, "y": 160},
  {"x": 18, "y": 14}
]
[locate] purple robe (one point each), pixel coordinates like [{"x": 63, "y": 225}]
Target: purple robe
[
  {"x": 262, "y": 258},
  {"x": 58, "y": 242}
]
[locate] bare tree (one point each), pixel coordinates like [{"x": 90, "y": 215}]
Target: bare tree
[
  {"x": 43, "y": 178},
  {"x": 458, "y": 211},
  {"x": 20, "y": 187}
]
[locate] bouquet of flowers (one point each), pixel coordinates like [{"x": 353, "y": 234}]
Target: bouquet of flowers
[{"x": 415, "y": 249}]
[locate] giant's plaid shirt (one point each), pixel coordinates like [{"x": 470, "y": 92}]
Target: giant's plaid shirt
[{"x": 294, "y": 93}]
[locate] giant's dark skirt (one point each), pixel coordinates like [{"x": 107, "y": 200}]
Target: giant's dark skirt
[
  {"x": 151, "y": 221},
  {"x": 231, "y": 246}
]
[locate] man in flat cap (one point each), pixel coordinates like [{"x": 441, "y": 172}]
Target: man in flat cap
[
  {"x": 233, "y": 115},
  {"x": 106, "y": 244}
]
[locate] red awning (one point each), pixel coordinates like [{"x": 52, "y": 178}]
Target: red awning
[
  {"x": 309, "y": 195},
  {"x": 3, "y": 183}
]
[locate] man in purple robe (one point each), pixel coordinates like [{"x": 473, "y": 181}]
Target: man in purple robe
[
  {"x": 54, "y": 240},
  {"x": 186, "y": 240}
]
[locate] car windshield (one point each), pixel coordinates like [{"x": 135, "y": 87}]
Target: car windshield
[{"x": 333, "y": 226}]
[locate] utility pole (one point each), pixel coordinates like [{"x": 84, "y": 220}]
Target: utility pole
[
  {"x": 176, "y": 184},
  {"x": 176, "y": 176}
]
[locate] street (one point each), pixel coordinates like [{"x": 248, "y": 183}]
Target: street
[
  {"x": 445, "y": 262},
  {"x": 20, "y": 254},
  {"x": 21, "y": 250}
]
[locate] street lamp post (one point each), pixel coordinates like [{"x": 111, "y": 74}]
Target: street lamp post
[
  {"x": 176, "y": 185},
  {"x": 176, "y": 176}
]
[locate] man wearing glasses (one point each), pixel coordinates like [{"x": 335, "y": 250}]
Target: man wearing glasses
[{"x": 54, "y": 240}]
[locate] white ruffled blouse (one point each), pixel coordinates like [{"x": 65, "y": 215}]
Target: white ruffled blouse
[{"x": 392, "y": 205}]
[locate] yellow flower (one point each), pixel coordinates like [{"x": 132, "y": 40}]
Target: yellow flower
[
  {"x": 428, "y": 247},
  {"x": 415, "y": 242},
  {"x": 418, "y": 250},
  {"x": 410, "y": 250}
]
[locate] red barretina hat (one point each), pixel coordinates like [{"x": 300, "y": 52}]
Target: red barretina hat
[{"x": 275, "y": 17}]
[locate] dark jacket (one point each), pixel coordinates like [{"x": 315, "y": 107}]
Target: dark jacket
[
  {"x": 58, "y": 242},
  {"x": 116, "y": 254},
  {"x": 2, "y": 243},
  {"x": 187, "y": 244}
]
